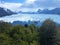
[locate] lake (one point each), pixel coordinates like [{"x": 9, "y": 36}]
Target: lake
[{"x": 31, "y": 17}]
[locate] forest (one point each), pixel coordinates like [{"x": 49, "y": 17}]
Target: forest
[{"x": 46, "y": 34}]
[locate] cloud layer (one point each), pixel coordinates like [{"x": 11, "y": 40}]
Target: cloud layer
[
  {"x": 33, "y": 5},
  {"x": 11, "y": 6},
  {"x": 42, "y": 4}
]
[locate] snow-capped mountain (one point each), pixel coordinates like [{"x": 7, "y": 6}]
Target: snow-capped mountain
[{"x": 5, "y": 12}]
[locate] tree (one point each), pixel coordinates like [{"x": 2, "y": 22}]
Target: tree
[{"x": 48, "y": 33}]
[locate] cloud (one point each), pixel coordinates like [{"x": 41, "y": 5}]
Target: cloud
[
  {"x": 28, "y": 5},
  {"x": 35, "y": 4},
  {"x": 30, "y": 1},
  {"x": 32, "y": 5},
  {"x": 11, "y": 6},
  {"x": 47, "y": 3}
]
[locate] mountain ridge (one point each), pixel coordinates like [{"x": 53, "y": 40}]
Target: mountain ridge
[
  {"x": 5, "y": 12},
  {"x": 44, "y": 11}
]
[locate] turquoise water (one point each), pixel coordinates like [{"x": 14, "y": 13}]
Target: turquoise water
[{"x": 31, "y": 17}]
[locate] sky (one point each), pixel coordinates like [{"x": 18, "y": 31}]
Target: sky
[{"x": 29, "y": 5}]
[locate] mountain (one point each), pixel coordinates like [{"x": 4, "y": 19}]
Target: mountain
[
  {"x": 55, "y": 11},
  {"x": 27, "y": 12},
  {"x": 46, "y": 11},
  {"x": 5, "y": 12}
]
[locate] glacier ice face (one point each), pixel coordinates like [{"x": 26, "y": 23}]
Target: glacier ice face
[{"x": 31, "y": 17}]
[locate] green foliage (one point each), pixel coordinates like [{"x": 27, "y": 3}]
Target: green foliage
[
  {"x": 29, "y": 34},
  {"x": 48, "y": 33}
]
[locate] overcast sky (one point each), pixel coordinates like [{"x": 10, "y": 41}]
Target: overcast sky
[{"x": 29, "y": 5}]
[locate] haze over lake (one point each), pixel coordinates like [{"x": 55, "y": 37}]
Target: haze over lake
[{"x": 31, "y": 17}]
